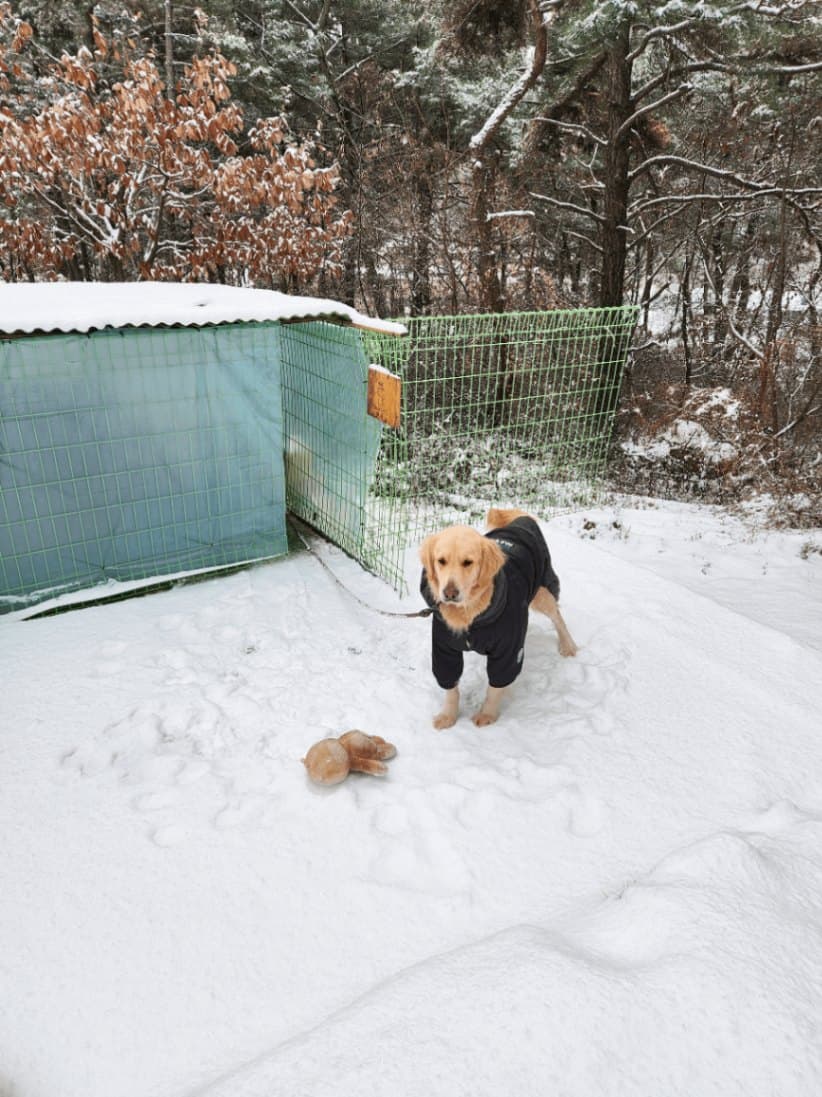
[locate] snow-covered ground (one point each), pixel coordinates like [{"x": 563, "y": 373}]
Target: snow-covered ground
[{"x": 616, "y": 890}]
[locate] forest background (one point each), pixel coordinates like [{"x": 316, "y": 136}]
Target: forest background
[{"x": 436, "y": 157}]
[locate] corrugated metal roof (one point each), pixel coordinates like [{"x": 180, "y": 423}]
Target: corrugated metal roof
[{"x": 29, "y": 307}]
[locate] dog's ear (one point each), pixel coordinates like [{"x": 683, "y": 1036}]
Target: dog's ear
[
  {"x": 492, "y": 560},
  {"x": 427, "y": 557}
]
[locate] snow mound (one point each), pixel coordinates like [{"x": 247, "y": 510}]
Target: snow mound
[
  {"x": 683, "y": 435},
  {"x": 684, "y": 953}
]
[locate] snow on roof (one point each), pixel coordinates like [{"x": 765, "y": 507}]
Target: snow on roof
[{"x": 27, "y": 307}]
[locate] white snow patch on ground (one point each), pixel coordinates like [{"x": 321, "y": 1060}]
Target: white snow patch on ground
[
  {"x": 616, "y": 889},
  {"x": 682, "y": 434}
]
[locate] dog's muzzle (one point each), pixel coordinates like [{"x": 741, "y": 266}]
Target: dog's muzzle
[{"x": 451, "y": 593}]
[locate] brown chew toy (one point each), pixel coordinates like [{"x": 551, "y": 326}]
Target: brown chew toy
[{"x": 331, "y": 760}]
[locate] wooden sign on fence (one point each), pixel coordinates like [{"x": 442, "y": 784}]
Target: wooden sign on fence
[{"x": 384, "y": 396}]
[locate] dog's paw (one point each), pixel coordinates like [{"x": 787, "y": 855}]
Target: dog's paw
[
  {"x": 483, "y": 719},
  {"x": 444, "y": 720},
  {"x": 567, "y": 647}
]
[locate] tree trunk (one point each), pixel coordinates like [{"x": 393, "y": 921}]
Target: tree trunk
[
  {"x": 483, "y": 175},
  {"x": 647, "y": 288},
  {"x": 768, "y": 405},
  {"x": 614, "y": 346},
  {"x": 686, "y": 312},
  {"x": 169, "y": 44},
  {"x": 351, "y": 198},
  {"x": 740, "y": 293},
  {"x": 483, "y": 171},
  {"x": 720, "y": 326},
  {"x": 618, "y": 68},
  {"x": 490, "y": 288},
  {"x": 421, "y": 260}
]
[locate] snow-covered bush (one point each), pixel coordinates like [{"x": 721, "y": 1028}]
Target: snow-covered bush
[{"x": 709, "y": 443}]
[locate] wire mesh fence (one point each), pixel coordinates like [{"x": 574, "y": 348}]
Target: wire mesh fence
[
  {"x": 134, "y": 453},
  {"x": 330, "y": 442},
  {"x": 511, "y": 408},
  {"x": 137, "y": 453}
]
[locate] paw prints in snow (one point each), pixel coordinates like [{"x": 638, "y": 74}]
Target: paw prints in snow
[
  {"x": 414, "y": 849},
  {"x": 189, "y": 763},
  {"x": 553, "y": 787}
]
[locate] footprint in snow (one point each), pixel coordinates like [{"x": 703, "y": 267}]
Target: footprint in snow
[
  {"x": 191, "y": 772},
  {"x": 247, "y": 810},
  {"x": 171, "y": 622},
  {"x": 171, "y": 835},
  {"x": 109, "y": 664},
  {"x": 419, "y": 857},
  {"x": 161, "y": 750},
  {"x": 526, "y": 780},
  {"x": 156, "y": 801},
  {"x": 587, "y": 814},
  {"x": 781, "y": 816}
]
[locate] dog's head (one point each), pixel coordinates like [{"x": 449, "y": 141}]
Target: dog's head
[{"x": 460, "y": 564}]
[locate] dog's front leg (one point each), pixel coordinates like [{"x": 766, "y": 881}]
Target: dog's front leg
[
  {"x": 450, "y": 707},
  {"x": 490, "y": 707}
]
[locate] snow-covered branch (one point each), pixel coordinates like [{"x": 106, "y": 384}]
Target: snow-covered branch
[
  {"x": 538, "y": 54},
  {"x": 569, "y": 206},
  {"x": 640, "y": 207},
  {"x": 794, "y": 423},
  {"x": 717, "y": 173},
  {"x": 662, "y": 32},
  {"x": 737, "y": 334},
  {"x": 639, "y": 238},
  {"x": 303, "y": 18},
  {"x": 675, "y": 73},
  {"x": 572, "y": 127},
  {"x": 585, "y": 239},
  {"x": 759, "y": 7},
  {"x": 502, "y": 214},
  {"x": 629, "y": 122},
  {"x": 790, "y": 70}
]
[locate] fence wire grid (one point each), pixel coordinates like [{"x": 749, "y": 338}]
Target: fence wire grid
[
  {"x": 516, "y": 408},
  {"x": 330, "y": 442},
  {"x": 131, "y": 455}
]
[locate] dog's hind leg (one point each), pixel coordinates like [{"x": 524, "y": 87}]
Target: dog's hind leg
[{"x": 545, "y": 602}]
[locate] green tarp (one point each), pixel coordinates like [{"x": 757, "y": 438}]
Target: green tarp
[{"x": 139, "y": 452}]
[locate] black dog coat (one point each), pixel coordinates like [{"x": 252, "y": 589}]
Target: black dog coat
[{"x": 498, "y": 632}]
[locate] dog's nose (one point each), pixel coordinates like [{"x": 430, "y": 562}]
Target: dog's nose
[{"x": 450, "y": 592}]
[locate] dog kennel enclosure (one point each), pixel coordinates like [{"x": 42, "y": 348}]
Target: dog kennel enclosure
[
  {"x": 143, "y": 429},
  {"x": 150, "y": 430}
]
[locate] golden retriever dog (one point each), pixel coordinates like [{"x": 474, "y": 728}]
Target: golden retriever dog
[{"x": 481, "y": 587}]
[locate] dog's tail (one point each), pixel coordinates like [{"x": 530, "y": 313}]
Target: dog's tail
[{"x": 497, "y": 517}]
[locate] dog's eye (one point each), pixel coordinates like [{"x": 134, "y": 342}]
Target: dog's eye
[
  {"x": 467, "y": 563},
  {"x": 442, "y": 561}
]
